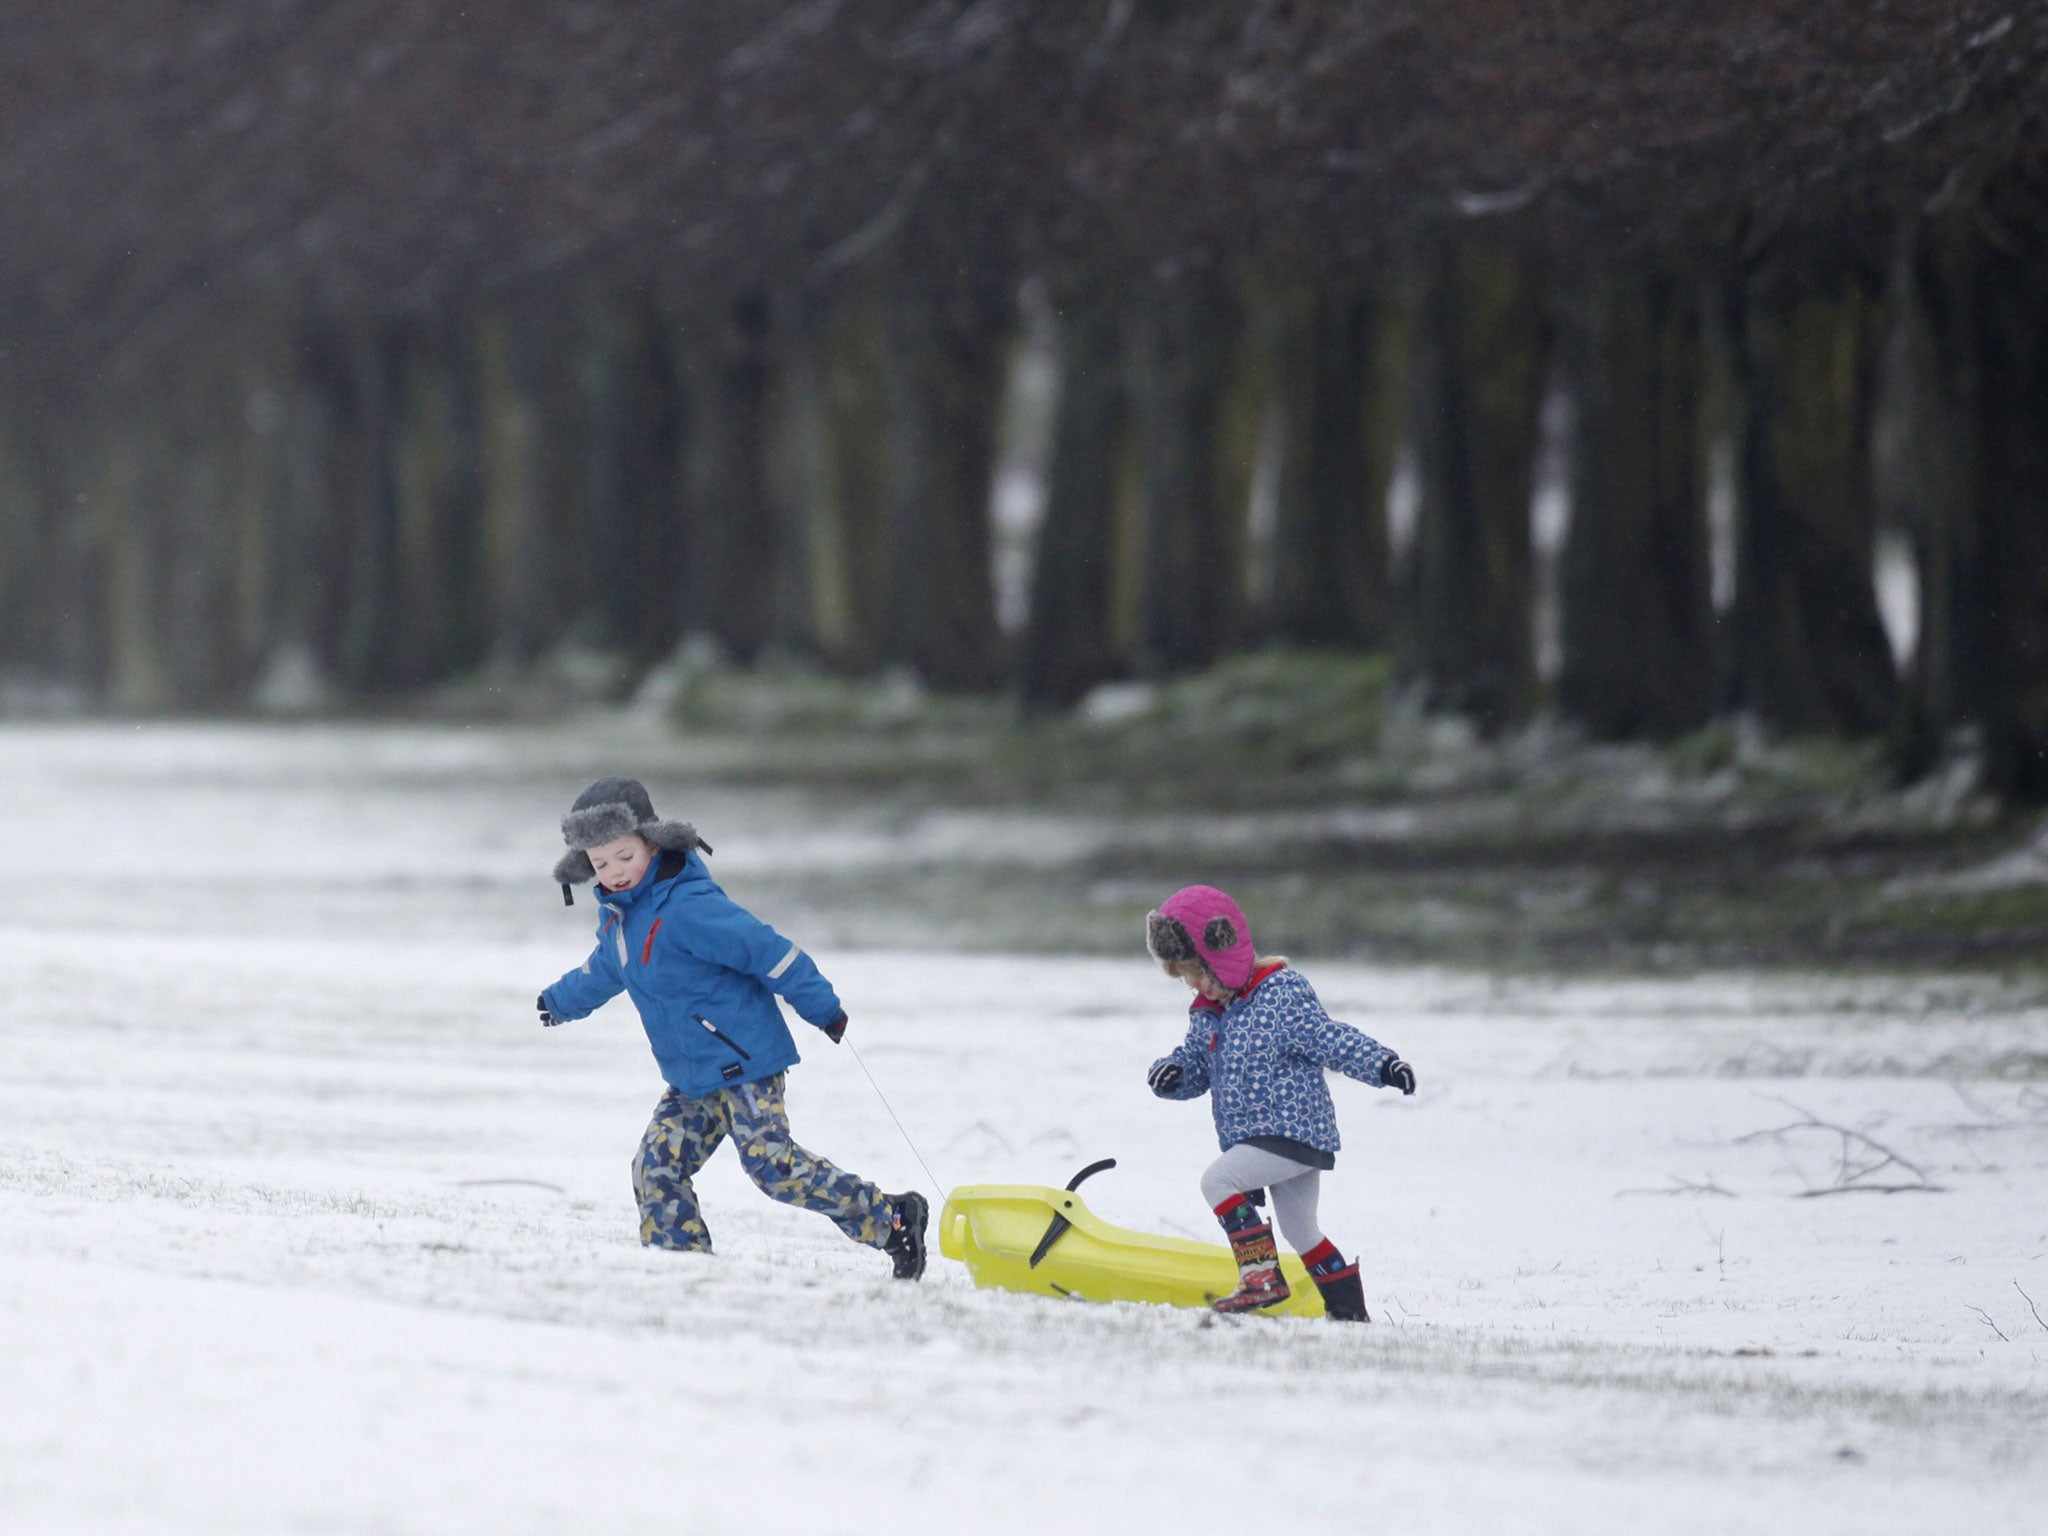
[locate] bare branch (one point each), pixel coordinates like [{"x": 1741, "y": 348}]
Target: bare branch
[
  {"x": 1984, "y": 1112},
  {"x": 1682, "y": 1186},
  {"x": 1988, "y": 1323},
  {"x": 1873, "y": 1189},
  {"x": 1860, "y": 1156},
  {"x": 2030, "y": 1305}
]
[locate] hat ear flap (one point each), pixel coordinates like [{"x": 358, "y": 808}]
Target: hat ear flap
[
  {"x": 1168, "y": 939},
  {"x": 677, "y": 836},
  {"x": 1220, "y": 934},
  {"x": 573, "y": 868}
]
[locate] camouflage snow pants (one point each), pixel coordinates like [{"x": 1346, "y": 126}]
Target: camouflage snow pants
[{"x": 685, "y": 1132}]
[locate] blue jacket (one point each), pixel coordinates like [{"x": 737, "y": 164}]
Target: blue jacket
[
  {"x": 703, "y": 971},
  {"x": 1262, "y": 1057}
]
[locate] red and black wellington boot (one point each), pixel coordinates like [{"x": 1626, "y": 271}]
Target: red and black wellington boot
[{"x": 1259, "y": 1281}]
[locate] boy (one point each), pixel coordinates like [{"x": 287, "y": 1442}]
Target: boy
[{"x": 704, "y": 973}]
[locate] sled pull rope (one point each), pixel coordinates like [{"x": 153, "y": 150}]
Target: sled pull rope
[{"x": 938, "y": 1188}]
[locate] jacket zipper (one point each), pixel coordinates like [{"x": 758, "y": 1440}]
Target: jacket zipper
[{"x": 722, "y": 1035}]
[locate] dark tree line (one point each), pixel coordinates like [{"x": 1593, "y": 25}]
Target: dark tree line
[{"x": 420, "y": 343}]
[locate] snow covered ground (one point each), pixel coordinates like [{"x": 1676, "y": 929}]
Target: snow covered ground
[{"x": 306, "y": 1226}]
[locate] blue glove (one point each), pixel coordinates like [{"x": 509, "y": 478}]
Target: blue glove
[
  {"x": 836, "y": 1030},
  {"x": 1164, "y": 1077},
  {"x": 547, "y": 1015},
  {"x": 1398, "y": 1074}
]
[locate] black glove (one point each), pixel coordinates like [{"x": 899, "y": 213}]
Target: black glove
[
  {"x": 836, "y": 1030},
  {"x": 1398, "y": 1074},
  {"x": 1164, "y": 1077},
  {"x": 547, "y": 1016}
]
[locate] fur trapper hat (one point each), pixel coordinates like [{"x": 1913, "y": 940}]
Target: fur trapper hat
[
  {"x": 1199, "y": 922},
  {"x": 610, "y": 809}
]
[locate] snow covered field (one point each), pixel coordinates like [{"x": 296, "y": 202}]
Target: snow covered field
[{"x": 306, "y": 1226}]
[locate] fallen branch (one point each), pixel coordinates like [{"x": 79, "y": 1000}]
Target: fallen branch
[
  {"x": 2028, "y": 1111},
  {"x": 1679, "y": 1186},
  {"x": 1988, "y": 1323},
  {"x": 1859, "y": 1158},
  {"x": 2030, "y": 1305},
  {"x": 1985, "y": 1113},
  {"x": 1873, "y": 1189}
]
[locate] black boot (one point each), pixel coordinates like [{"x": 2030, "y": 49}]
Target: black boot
[
  {"x": 1343, "y": 1296},
  {"x": 906, "y": 1244}
]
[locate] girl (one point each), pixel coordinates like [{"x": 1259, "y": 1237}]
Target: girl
[
  {"x": 704, "y": 973},
  {"x": 1258, "y": 1044}
]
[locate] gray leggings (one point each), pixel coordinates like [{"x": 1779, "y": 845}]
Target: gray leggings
[{"x": 1294, "y": 1188}]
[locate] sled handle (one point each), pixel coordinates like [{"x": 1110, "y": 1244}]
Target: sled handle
[
  {"x": 1060, "y": 1222},
  {"x": 1089, "y": 1172}
]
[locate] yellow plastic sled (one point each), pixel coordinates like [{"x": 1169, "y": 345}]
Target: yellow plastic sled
[{"x": 997, "y": 1229}]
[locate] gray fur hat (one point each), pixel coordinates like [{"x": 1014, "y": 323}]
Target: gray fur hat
[{"x": 610, "y": 809}]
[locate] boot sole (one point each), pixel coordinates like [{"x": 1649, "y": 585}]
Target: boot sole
[{"x": 1250, "y": 1306}]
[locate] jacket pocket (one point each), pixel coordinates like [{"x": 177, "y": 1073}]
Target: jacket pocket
[
  {"x": 719, "y": 1034},
  {"x": 732, "y": 1070}
]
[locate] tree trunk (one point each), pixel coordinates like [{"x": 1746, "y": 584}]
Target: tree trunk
[
  {"x": 53, "y": 608},
  {"x": 945, "y": 379},
  {"x": 1193, "y": 585},
  {"x": 436, "y": 486},
  {"x": 1478, "y": 383},
  {"x": 303, "y": 577},
  {"x": 850, "y": 528},
  {"x": 355, "y": 376},
  {"x": 1637, "y": 617},
  {"x": 600, "y": 544},
  {"x": 34, "y": 521},
  {"x": 22, "y": 534},
  {"x": 194, "y": 493},
  {"x": 263, "y": 514},
  {"x": 138, "y": 673},
  {"x": 511, "y": 421},
  {"x": 2010, "y": 638},
  {"x": 1981, "y": 534},
  {"x": 736, "y": 593},
  {"x": 1066, "y": 648},
  {"x": 649, "y": 435},
  {"x": 1811, "y": 649},
  {"x": 1341, "y": 429}
]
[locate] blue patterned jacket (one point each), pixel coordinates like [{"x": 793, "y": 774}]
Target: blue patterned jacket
[{"x": 1261, "y": 1060}]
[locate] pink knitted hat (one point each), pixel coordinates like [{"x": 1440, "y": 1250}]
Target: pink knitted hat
[{"x": 1199, "y": 922}]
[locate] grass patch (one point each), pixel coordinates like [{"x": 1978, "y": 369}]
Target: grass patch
[{"x": 1355, "y": 826}]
